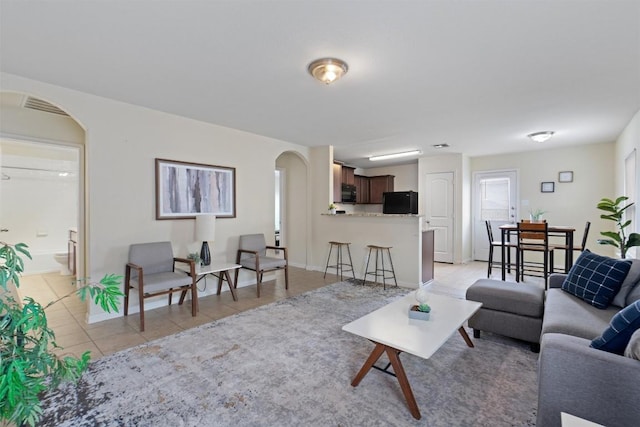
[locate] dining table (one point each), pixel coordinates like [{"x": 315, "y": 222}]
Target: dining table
[{"x": 507, "y": 230}]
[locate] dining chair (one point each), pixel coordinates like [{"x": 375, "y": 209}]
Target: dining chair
[
  {"x": 151, "y": 270},
  {"x": 252, "y": 255},
  {"x": 497, "y": 244},
  {"x": 533, "y": 237},
  {"x": 565, "y": 248}
]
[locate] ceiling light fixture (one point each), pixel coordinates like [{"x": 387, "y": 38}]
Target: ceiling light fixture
[
  {"x": 328, "y": 70},
  {"x": 444, "y": 145},
  {"x": 541, "y": 136},
  {"x": 395, "y": 155}
]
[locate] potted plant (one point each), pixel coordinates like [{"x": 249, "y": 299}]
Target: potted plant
[
  {"x": 420, "y": 311},
  {"x": 332, "y": 208},
  {"x": 28, "y": 364},
  {"x": 536, "y": 215},
  {"x": 615, "y": 213}
]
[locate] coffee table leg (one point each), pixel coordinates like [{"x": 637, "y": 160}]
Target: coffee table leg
[
  {"x": 392, "y": 353},
  {"x": 465, "y": 336},
  {"x": 373, "y": 358},
  {"x": 398, "y": 370}
]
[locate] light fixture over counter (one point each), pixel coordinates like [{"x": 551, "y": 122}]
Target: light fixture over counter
[
  {"x": 328, "y": 70},
  {"x": 541, "y": 136},
  {"x": 395, "y": 155}
]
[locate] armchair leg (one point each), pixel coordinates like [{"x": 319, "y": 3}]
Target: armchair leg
[
  {"x": 258, "y": 280},
  {"x": 286, "y": 276},
  {"x": 141, "y": 297}
]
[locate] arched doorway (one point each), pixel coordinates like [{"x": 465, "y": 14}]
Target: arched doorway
[
  {"x": 42, "y": 191},
  {"x": 293, "y": 206}
]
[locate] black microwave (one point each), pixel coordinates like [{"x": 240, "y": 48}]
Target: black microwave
[
  {"x": 400, "y": 202},
  {"x": 348, "y": 193}
]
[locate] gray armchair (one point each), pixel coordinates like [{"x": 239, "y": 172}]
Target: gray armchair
[
  {"x": 252, "y": 255},
  {"x": 151, "y": 270}
]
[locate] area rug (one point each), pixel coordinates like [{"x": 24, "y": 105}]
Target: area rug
[{"x": 290, "y": 364}]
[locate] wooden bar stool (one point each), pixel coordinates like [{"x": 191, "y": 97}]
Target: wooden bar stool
[
  {"x": 380, "y": 269},
  {"x": 340, "y": 265}
]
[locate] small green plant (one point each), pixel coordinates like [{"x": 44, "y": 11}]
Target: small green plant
[
  {"x": 332, "y": 206},
  {"x": 29, "y": 364},
  {"x": 615, "y": 213},
  {"x": 536, "y": 214},
  {"x": 195, "y": 256},
  {"x": 425, "y": 308}
]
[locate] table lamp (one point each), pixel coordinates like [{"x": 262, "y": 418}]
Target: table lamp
[{"x": 205, "y": 232}]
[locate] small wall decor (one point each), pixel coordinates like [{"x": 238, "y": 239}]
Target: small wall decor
[
  {"x": 565, "y": 176},
  {"x": 185, "y": 190},
  {"x": 547, "y": 187}
]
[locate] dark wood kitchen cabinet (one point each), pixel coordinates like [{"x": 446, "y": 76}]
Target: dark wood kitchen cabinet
[
  {"x": 348, "y": 176},
  {"x": 362, "y": 189},
  {"x": 378, "y": 185}
]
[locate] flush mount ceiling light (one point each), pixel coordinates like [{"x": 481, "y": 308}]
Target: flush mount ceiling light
[
  {"x": 440, "y": 145},
  {"x": 395, "y": 155},
  {"x": 541, "y": 136},
  {"x": 328, "y": 70}
]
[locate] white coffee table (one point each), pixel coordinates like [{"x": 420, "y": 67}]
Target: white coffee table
[
  {"x": 393, "y": 332},
  {"x": 217, "y": 269}
]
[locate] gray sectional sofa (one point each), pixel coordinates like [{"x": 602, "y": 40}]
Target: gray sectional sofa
[{"x": 593, "y": 384}]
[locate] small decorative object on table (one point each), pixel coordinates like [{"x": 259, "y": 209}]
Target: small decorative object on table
[
  {"x": 422, "y": 310},
  {"x": 536, "y": 215},
  {"x": 332, "y": 208},
  {"x": 195, "y": 256}
]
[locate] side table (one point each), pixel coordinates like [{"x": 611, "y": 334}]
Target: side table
[{"x": 216, "y": 269}]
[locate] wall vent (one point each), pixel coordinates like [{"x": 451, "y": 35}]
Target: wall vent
[{"x": 40, "y": 105}]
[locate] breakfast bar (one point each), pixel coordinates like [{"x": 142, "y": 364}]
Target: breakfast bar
[{"x": 405, "y": 234}]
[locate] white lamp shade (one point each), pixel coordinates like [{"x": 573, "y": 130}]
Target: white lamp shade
[{"x": 205, "y": 228}]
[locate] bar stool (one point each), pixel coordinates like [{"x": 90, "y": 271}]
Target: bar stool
[
  {"x": 340, "y": 265},
  {"x": 379, "y": 267}
]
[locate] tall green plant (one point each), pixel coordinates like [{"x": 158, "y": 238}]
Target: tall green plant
[
  {"x": 615, "y": 213},
  {"x": 28, "y": 364}
]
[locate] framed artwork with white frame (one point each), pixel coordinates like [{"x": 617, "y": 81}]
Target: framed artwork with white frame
[{"x": 565, "y": 176}]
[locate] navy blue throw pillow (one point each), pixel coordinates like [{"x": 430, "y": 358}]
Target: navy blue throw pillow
[
  {"x": 616, "y": 337},
  {"x": 596, "y": 279}
]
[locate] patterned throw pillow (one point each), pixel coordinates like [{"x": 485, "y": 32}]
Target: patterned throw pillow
[
  {"x": 596, "y": 279},
  {"x": 616, "y": 337}
]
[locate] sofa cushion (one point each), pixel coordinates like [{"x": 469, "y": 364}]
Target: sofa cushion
[
  {"x": 616, "y": 337},
  {"x": 629, "y": 283},
  {"x": 633, "y": 348},
  {"x": 525, "y": 299},
  {"x": 596, "y": 278},
  {"x": 567, "y": 314},
  {"x": 633, "y": 295}
]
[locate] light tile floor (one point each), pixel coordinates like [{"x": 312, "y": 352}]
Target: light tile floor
[{"x": 68, "y": 317}]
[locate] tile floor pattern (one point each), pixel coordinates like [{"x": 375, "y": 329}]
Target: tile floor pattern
[{"x": 67, "y": 318}]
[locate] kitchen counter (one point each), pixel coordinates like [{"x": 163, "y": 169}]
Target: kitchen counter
[
  {"x": 376, "y": 214},
  {"x": 403, "y": 233}
]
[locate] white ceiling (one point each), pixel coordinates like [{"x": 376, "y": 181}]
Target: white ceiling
[{"x": 477, "y": 75}]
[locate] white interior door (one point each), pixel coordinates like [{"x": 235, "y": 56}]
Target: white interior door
[
  {"x": 494, "y": 199},
  {"x": 439, "y": 213}
]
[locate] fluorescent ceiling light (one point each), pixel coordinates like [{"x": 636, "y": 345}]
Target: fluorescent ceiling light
[
  {"x": 395, "y": 155},
  {"x": 541, "y": 136}
]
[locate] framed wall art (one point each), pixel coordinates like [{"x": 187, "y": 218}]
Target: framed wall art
[
  {"x": 185, "y": 190},
  {"x": 547, "y": 187},
  {"x": 565, "y": 176}
]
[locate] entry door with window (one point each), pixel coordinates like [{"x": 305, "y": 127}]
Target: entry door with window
[{"x": 494, "y": 199}]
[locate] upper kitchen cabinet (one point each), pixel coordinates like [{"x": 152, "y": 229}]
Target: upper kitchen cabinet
[
  {"x": 362, "y": 189},
  {"x": 348, "y": 176},
  {"x": 378, "y": 185}
]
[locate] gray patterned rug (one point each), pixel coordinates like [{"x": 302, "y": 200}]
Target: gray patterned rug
[{"x": 290, "y": 364}]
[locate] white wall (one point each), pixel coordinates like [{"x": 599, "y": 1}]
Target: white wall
[
  {"x": 571, "y": 204},
  {"x": 122, "y": 141}
]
